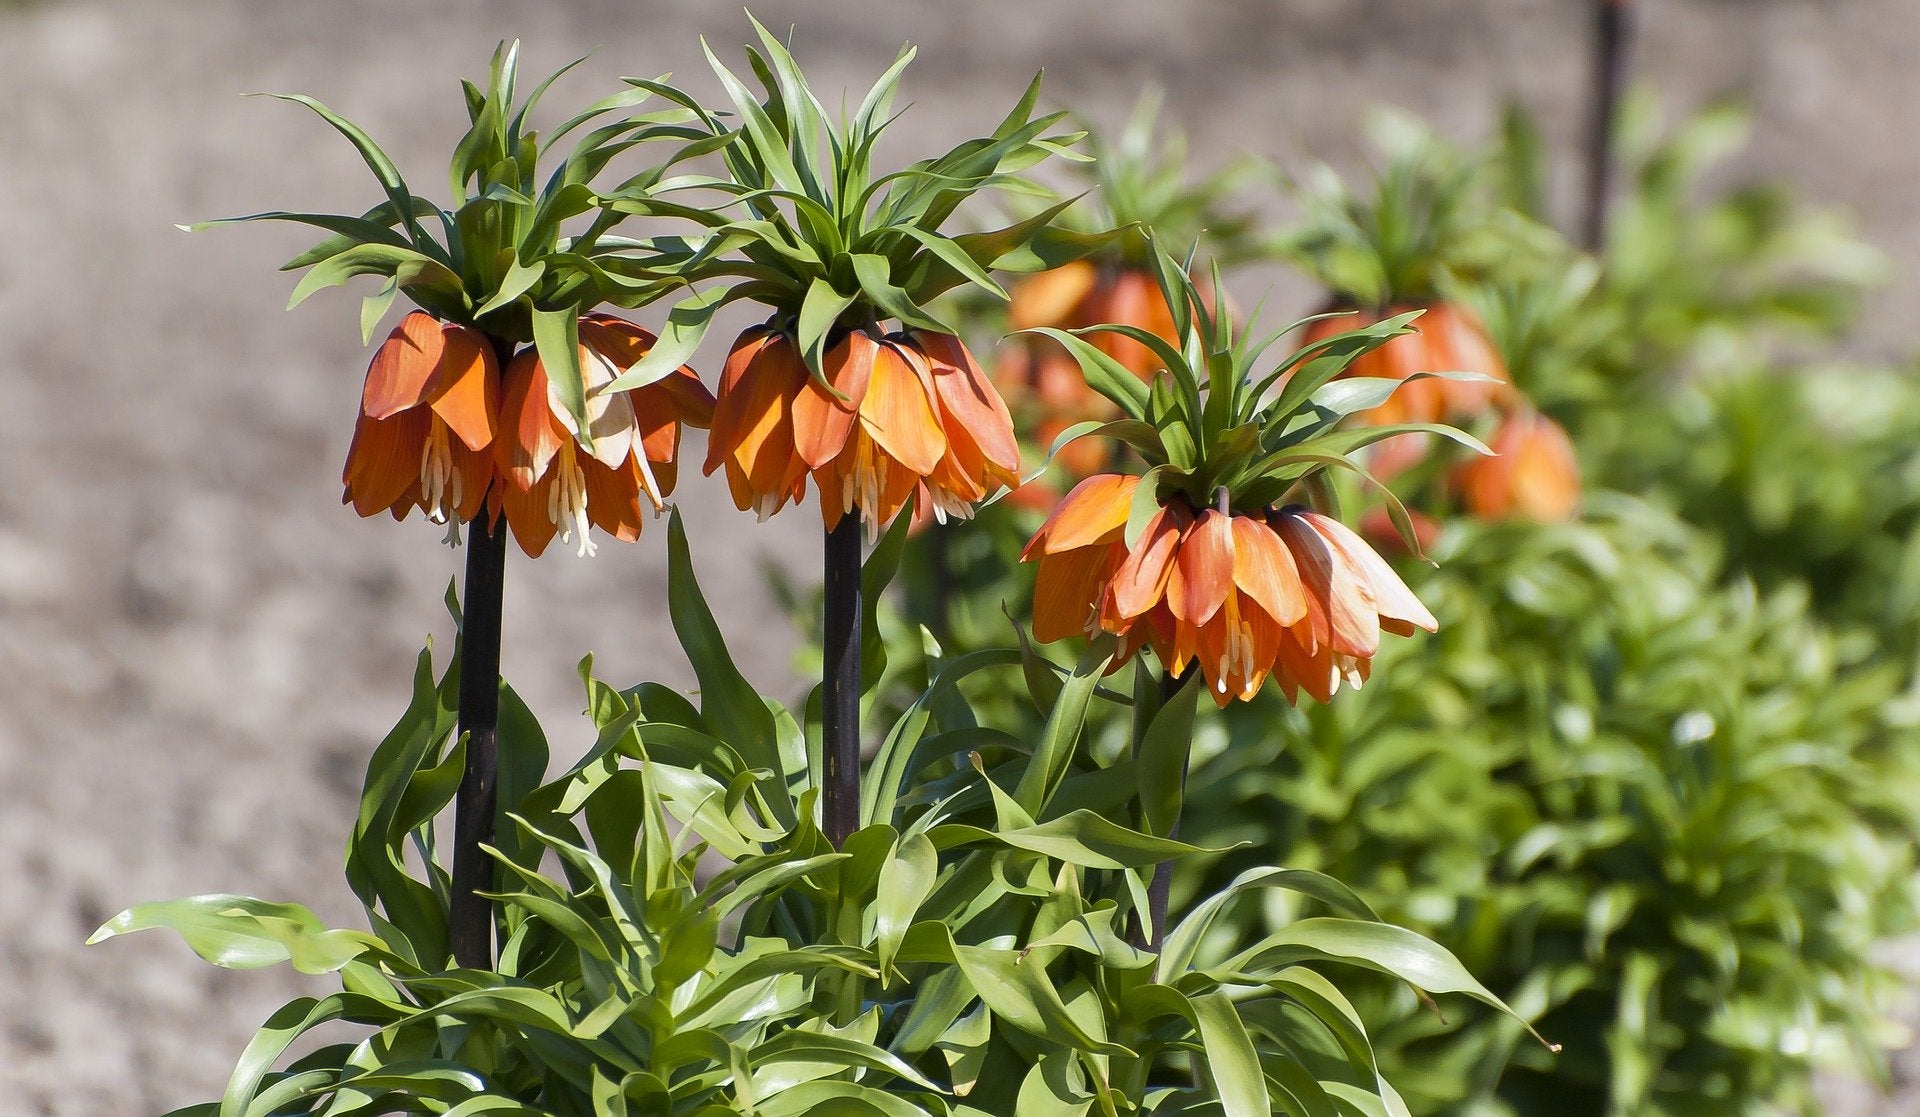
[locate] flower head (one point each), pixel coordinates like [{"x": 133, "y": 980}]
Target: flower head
[
  {"x": 561, "y": 479},
  {"x": 1448, "y": 338},
  {"x": 1532, "y": 475},
  {"x": 895, "y": 419},
  {"x": 1240, "y": 596},
  {"x": 443, "y": 426},
  {"x": 426, "y": 424},
  {"x": 854, "y": 382}
]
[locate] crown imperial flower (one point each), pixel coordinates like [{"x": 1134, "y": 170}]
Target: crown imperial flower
[
  {"x": 1287, "y": 593},
  {"x": 426, "y": 425},
  {"x": 852, "y": 382},
  {"x": 1448, "y": 338},
  {"x": 620, "y": 471},
  {"x": 1532, "y": 475},
  {"x": 1208, "y": 557}
]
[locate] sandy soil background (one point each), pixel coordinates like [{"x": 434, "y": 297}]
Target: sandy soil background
[{"x": 200, "y": 646}]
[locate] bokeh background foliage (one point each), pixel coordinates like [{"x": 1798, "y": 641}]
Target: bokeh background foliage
[{"x": 194, "y": 531}]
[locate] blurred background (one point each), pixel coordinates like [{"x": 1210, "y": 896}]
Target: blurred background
[{"x": 200, "y": 645}]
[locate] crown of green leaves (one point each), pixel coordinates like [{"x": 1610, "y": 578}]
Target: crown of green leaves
[
  {"x": 1215, "y": 425},
  {"x": 809, "y": 227},
  {"x": 499, "y": 259},
  {"x": 1433, "y": 215}
]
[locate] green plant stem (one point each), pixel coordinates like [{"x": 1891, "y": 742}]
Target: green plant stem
[
  {"x": 840, "y": 683},
  {"x": 1160, "y": 889},
  {"x": 1613, "y": 39},
  {"x": 470, "y": 920}
]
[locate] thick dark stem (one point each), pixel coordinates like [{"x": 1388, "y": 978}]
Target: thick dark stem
[
  {"x": 1613, "y": 33},
  {"x": 940, "y": 596},
  {"x": 471, "y": 920},
  {"x": 840, "y": 683},
  {"x": 1160, "y": 889}
]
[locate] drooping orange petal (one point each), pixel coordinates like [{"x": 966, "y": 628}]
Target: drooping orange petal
[
  {"x": 973, "y": 411},
  {"x": 475, "y": 470},
  {"x": 741, "y": 402},
  {"x": 1050, "y": 297},
  {"x": 1066, "y": 591},
  {"x": 527, "y": 515},
  {"x": 1094, "y": 512},
  {"x": 1333, "y": 585},
  {"x": 383, "y": 462},
  {"x": 466, "y": 386},
  {"x": 529, "y": 434},
  {"x": 897, "y": 411},
  {"x": 1264, "y": 570},
  {"x": 1300, "y": 668},
  {"x": 1205, "y": 569},
  {"x": 753, "y": 420},
  {"x": 1399, "y": 610},
  {"x": 402, "y": 366},
  {"x": 613, "y": 498},
  {"x": 1141, "y": 581},
  {"x": 822, "y": 423}
]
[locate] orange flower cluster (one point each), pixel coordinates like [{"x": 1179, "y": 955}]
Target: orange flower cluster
[
  {"x": 1043, "y": 381},
  {"x": 439, "y": 430},
  {"x": 902, "y": 417},
  {"x": 1534, "y": 476},
  {"x": 1450, "y": 339},
  {"x": 1283, "y": 592}
]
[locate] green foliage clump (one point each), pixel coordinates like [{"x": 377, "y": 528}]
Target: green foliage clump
[
  {"x": 1810, "y": 477},
  {"x": 1667, "y": 818},
  {"x": 679, "y": 937}
]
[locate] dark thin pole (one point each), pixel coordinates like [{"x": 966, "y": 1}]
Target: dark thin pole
[
  {"x": 470, "y": 921},
  {"x": 1613, "y": 40},
  {"x": 1160, "y": 889},
  {"x": 840, "y": 683}
]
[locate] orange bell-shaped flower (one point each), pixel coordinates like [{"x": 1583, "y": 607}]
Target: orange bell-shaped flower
[
  {"x": 1290, "y": 593},
  {"x": 555, "y": 485},
  {"x": 1450, "y": 338},
  {"x": 427, "y": 419},
  {"x": 753, "y": 422},
  {"x": 1532, "y": 475},
  {"x": 905, "y": 418}
]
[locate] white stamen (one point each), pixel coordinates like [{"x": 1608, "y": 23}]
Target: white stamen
[
  {"x": 440, "y": 482},
  {"x": 567, "y": 501}
]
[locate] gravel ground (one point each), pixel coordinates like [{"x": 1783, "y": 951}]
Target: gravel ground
[{"x": 201, "y": 645}]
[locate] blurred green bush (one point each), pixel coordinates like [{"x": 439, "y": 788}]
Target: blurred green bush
[{"x": 1668, "y": 818}]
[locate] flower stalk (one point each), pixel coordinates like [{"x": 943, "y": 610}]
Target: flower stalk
[
  {"x": 470, "y": 915},
  {"x": 1160, "y": 888},
  {"x": 1613, "y": 38},
  {"x": 840, "y": 682}
]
